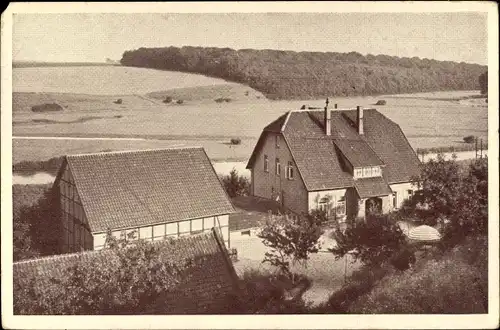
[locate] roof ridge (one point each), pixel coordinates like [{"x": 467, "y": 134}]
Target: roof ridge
[
  {"x": 56, "y": 256},
  {"x": 133, "y": 151},
  {"x": 90, "y": 252}
]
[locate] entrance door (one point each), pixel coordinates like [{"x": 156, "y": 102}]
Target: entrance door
[{"x": 373, "y": 205}]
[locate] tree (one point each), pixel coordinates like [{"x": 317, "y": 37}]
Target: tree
[
  {"x": 483, "y": 82},
  {"x": 236, "y": 185},
  {"x": 459, "y": 199},
  {"x": 291, "y": 239},
  {"x": 36, "y": 224},
  {"x": 373, "y": 242},
  {"x": 287, "y": 74}
]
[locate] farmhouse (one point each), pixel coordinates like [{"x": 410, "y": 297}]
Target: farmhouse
[
  {"x": 345, "y": 162},
  {"x": 147, "y": 194},
  {"x": 207, "y": 283}
]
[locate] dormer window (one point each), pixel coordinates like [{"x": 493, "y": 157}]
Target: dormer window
[{"x": 367, "y": 172}]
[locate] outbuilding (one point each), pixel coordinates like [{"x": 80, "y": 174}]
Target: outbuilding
[{"x": 147, "y": 194}]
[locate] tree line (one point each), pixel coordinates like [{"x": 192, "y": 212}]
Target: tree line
[
  {"x": 483, "y": 82},
  {"x": 294, "y": 75}
]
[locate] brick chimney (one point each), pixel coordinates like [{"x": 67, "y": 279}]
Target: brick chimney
[
  {"x": 328, "y": 119},
  {"x": 359, "y": 120}
]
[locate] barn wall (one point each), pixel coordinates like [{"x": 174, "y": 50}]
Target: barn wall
[
  {"x": 173, "y": 229},
  {"x": 75, "y": 231}
]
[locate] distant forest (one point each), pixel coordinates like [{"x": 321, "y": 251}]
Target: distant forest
[{"x": 294, "y": 75}]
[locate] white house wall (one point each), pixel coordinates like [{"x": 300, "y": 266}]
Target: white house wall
[
  {"x": 402, "y": 192},
  {"x": 173, "y": 229},
  {"x": 315, "y": 196}
]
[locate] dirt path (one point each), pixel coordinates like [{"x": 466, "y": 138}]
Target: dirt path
[{"x": 327, "y": 273}]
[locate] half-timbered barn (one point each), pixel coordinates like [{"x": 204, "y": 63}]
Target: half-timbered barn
[{"x": 147, "y": 194}]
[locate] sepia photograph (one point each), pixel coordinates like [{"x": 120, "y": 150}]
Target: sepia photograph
[{"x": 277, "y": 164}]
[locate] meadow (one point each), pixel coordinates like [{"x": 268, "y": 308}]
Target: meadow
[{"x": 142, "y": 120}]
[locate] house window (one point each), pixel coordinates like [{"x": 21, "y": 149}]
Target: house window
[
  {"x": 341, "y": 206},
  {"x": 266, "y": 164},
  {"x": 290, "y": 171},
  {"x": 278, "y": 166},
  {"x": 277, "y": 141},
  {"x": 410, "y": 193},
  {"x": 367, "y": 172},
  {"x": 395, "y": 200}
]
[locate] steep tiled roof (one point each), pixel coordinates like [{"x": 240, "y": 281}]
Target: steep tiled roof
[
  {"x": 205, "y": 287},
  {"x": 358, "y": 152},
  {"x": 388, "y": 141},
  {"x": 318, "y": 163},
  {"x": 319, "y": 157},
  {"x": 138, "y": 188},
  {"x": 274, "y": 127},
  {"x": 372, "y": 187}
]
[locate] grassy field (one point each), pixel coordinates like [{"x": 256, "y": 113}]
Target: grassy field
[
  {"x": 429, "y": 120},
  {"x": 34, "y": 150},
  {"x": 232, "y": 91}
]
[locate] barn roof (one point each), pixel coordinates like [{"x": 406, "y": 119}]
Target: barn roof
[
  {"x": 319, "y": 157},
  {"x": 138, "y": 188},
  {"x": 207, "y": 283}
]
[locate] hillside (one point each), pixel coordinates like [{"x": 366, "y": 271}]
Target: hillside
[{"x": 301, "y": 75}]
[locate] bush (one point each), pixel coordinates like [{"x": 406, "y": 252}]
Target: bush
[
  {"x": 469, "y": 139},
  {"x": 373, "y": 241},
  {"x": 403, "y": 259},
  {"x": 440, "y": 286},
  {"x": 235, "y": 185},
  {"x": 359, "y": 283},
  {"x": 265, "y": 293},
  {"x": 50, "y": 166},
  {"x": 127, "y": 281},
  {"x": 235, "y": 141},
  {"x": 46, "y": 107},
  {"x": 36, "y": 229},
  {"x": 119, "y": 101},
  {"x": 168, "y": 99},
  {"x": 381, "y": 102},
  {"x": 448, "y": 193},
  {"x": 223, "y": 99},
  {"x": 180, "y": 102}
]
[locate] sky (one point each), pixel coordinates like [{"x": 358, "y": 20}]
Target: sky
[{"x": 93, "y": 37}]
